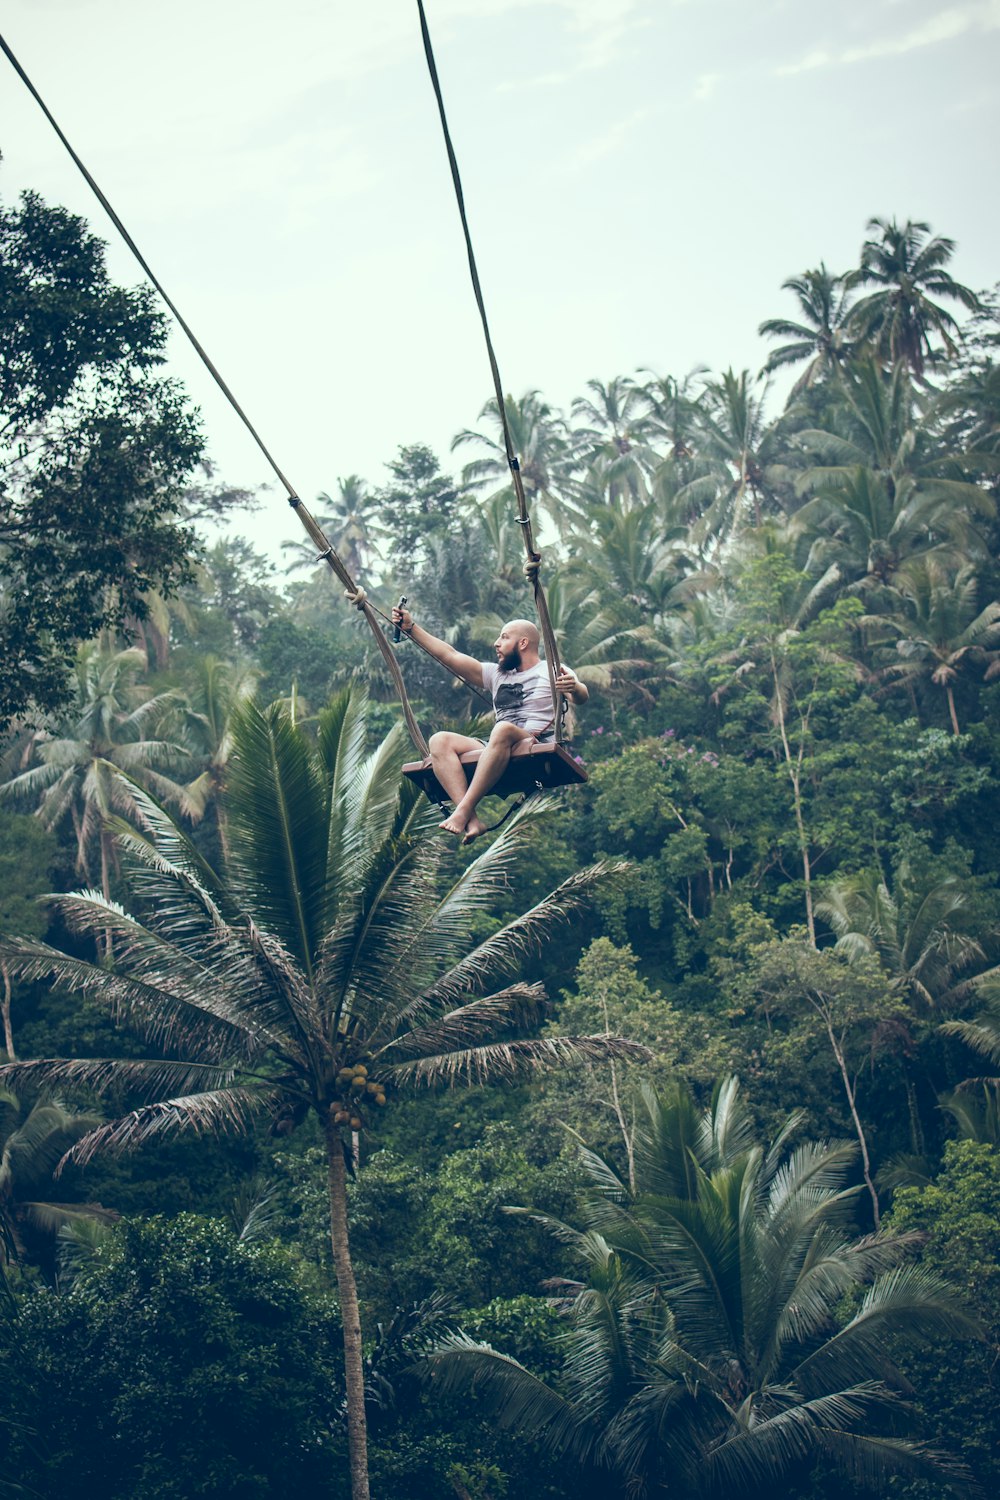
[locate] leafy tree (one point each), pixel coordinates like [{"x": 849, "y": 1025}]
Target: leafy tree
[
  {"x": 95, "y": 451},
  {"x": 180, "y": 1362},
  {"x": 321, "y": 973},
  {"x": 879, "y": 434},
  {"x": 419, "y": 503},
  {"x": 739, "y": 448},
  {"x": 920, "y": 933},
  {"x": 215, "y": 689},
  {"x": 845, "y": 1002},
  {"x": 783, "y": 674},
  {"x": 705, "y": 1348},
  {"x": 958, "y": 1217}
]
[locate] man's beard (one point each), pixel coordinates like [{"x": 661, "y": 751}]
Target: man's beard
[{"x": 511, "y": 662}]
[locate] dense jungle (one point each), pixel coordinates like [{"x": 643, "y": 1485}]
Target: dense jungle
[{"x": 651, "y": 1145}]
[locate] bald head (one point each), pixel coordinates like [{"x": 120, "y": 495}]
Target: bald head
[
  {"x": 517, "y": 646},
  {"x": 523, "y": 630}
]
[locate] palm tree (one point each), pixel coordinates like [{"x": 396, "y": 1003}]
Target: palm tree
[
  {"x": 919, "y": 934},
  {"x": 617, "y": 434},
  {"x": 33, "y": 1139},
  {"x": 319, "y": 975},
  {"x": 214, "y": 694},
  {"x": 823, "y": 338},
  {"x": 739, "y": 450},
  {"x": 706, "y": 1351},
  {"x": 907, "y": 268},
  {"x": 541, "y": 446},
  {"x": 107, "y": 729},
  {"x": 348, "y": 521},
  {"x": 939, "y": 629},
  {"x": 882, "y": 490}
]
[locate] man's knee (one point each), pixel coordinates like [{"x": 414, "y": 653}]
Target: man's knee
[
  {"x": 505, "y": 734},
  {"x": 441, "y": 742}
]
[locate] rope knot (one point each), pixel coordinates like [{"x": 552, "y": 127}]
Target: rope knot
[
  {"x": 358, "y": 597},
  {"x": 531, "y": 568}
]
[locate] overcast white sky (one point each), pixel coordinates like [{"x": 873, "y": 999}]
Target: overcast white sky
[{"x": 641, "y": 176}]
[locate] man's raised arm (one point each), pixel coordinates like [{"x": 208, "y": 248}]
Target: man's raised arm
[{"x": 466, "y": 667}]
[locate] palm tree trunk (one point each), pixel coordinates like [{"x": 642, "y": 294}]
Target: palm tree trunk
[
  {"x": 357, "y": 1427},
  {"x": 951, "y": 709},
  {"x": 8, "y": 1034}
]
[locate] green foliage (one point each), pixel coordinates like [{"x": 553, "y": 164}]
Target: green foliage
[
  {"x": 96, "y": 451},
  {"x": 180, "y": 1363},
  {"x": 705, "y": 1348},
  {"x": 959, "y": 1213},
  {"x": 418, "y": 504}
]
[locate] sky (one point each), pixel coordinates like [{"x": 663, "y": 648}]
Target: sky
[{"x": 640, "y": 177}]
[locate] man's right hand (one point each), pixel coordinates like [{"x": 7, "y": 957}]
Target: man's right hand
[{"x": 402, "y": 618}]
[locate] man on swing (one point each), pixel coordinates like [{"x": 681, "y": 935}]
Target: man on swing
[{"x": 519, "y": 685}]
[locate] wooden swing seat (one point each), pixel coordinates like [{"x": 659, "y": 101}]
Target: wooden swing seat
[{"x": 531, "y": 768}]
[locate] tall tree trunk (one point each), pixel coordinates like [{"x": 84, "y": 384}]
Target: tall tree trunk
[
  {"x": 951, "y": 710},
  {"x": 866, "y": 1165},
  {"x": 8, "y": 1034},
  {"x": 357, "y": 1427},
  {"x": 794, "y": 767}
]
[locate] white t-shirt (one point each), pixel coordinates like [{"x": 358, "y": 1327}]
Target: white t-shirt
[{"x": 521, "y": 698}]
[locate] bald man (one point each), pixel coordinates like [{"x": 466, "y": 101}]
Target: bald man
[{"x": 518, "y": 682}]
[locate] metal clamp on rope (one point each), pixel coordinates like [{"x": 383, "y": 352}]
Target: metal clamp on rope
[
  {"x": 358, "y": 598},
  {"x": 294, "y": 501}
]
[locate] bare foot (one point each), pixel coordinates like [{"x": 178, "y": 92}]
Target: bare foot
[
  {"x": 474, "y": 829},
  {"x": 457, "y": 822}
]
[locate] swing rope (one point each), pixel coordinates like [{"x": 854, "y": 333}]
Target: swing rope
[
  {"x": 533, "y": 556},
  {"x": 325, "y": 548}
]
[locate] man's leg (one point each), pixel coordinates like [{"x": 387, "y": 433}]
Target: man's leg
[
  {"x": 492, "y": 764},
  {"x": 446, "y": 749}
]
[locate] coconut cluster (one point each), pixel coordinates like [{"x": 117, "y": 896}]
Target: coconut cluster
[{"x": 357, "y": 1088}]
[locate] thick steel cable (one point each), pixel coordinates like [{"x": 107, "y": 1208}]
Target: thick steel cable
[
  {"x": 323, "y": 545},
  {"x": 523, "y": 517}
]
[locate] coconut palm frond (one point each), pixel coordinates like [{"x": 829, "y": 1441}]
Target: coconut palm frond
[
  {"x": 51, "y": 1217},
  {"x": 173, "y": 1008},
  {"x": 277, "y": 807},
  {"x": 867, "y": 1460},
  {"x": 513, "y": 1060},
  {"x": 753, "y": 1455},
  {"x": 32, "y": 1150},
  {"x": 520, "y": 1007},
  {"x": 222, "y": 1111},
  {"x": 182, "y": 859},
  {"x": 142, "y": 1077},
  {"x": 982, "y": 1035},
  {"x": 340, "y": 742},
  {"x": 504, "y": 950},
  {"x": 518, "y": 1399},
  {"x": 907, "y": 1293},
  {"x": 383, "y": 802}
]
